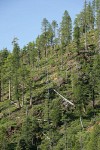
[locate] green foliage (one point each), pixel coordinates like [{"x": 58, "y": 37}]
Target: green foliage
[
  {"x": 56, "y": 112},
  {"x": 94, "y": 143},
  {"x": 66, "y": 29}
]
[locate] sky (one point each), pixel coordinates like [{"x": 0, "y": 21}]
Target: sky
[{"x": 22, "y": 18}]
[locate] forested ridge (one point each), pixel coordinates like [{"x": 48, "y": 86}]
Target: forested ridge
[{"x": 50, "y": 88}]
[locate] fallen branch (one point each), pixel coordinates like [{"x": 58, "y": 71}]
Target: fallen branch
[{"x": 64, "y": 98}]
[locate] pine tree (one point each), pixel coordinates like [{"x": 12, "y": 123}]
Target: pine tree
[
  {"x": 3, "y": 56},
  {"x": 56, "y": 112},
  {"x": 16, "y": 65},
  {"x": 90, "y": 20},
  {"x": 54, "y": 29},
  {"x": 77, "y": 34},
  {"x": 9, "y": 73},
  {"x": 66, "y": 29},
  {"x": 38, "y": 47},
  {"x": 31, "y": 53}
]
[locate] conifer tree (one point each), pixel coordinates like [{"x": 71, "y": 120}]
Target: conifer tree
[
  {"x": 3, "y": 56},
  {"x": 31, "y": 53},
  {"x": 66, "y": 29},
  {"x": 38, "y": 47},
  {"x": 54, "y": 29},
  {"x": 77, "y": 34},
  {"x": 90, "y": 20},
  {"x": 9, "y": 73},
  {"x": 16, "y": 65}
]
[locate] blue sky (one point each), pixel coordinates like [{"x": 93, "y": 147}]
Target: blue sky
[{"x": 22, "y": 18}]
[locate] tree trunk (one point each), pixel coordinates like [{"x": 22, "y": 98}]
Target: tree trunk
[
  {"x": 17, "y": 97},
  {"x": 30, "y": 101},
  {"x": 9, "y": 89},
  {"x": 19, "y": 106},
  {"x": 82, "y": 127}
]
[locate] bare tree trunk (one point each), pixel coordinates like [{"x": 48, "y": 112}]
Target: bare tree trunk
[
  {"x": 31, "y": 101},
  {"x": 17, "y": 93},
  {"x": 81, "y": 123},
  {"x": 17, "y": 97},
  {"x": 19, "y": 106}
]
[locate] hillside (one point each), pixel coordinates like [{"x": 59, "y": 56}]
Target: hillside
[{"x": 50, "y": 90}]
